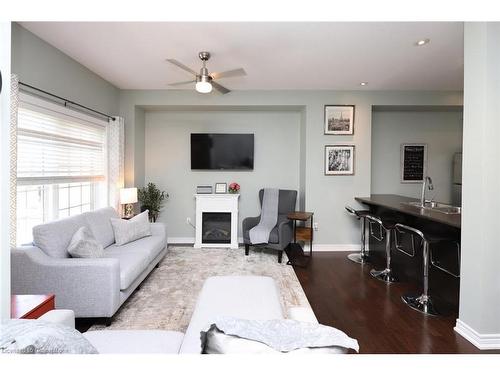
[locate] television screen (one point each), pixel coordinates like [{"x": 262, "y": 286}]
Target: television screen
[{"x": 221, "y": 151}]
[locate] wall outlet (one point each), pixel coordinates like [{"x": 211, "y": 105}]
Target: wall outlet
[
  {"x": 315, "y": 226},
  {"x": 188, "y": 220}
]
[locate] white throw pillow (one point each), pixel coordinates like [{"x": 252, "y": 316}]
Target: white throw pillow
[
  {"x": 84, "y": 245},
  {"x": 130, "y": 230}
]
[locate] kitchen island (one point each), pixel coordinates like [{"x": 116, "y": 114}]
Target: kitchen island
[{"x": 443, "y": 287}]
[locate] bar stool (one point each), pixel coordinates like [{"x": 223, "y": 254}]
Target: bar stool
[
  {"x": 423, "y": 302},
  {"x": 385, "y": 229},
  {"x": 362, "y": 256}
]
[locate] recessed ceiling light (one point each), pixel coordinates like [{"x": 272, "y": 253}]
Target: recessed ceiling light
[
  {"x": 363, "y": 83},
  {"x": 422, "y": 42}
]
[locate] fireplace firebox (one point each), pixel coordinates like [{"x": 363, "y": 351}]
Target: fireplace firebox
[{"x": 216, "y": 227}]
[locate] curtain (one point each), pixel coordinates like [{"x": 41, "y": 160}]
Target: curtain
[
  {"x": 14, "y": 103},
  {"x": 116, "y": 161}
]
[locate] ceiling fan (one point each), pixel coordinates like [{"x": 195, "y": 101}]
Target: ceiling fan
[{"x": 204, "y": 80}]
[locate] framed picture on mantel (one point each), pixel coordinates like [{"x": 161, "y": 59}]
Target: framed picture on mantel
[{"x": 413, "y": 162}]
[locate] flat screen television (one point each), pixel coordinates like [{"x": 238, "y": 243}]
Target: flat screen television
[{"x": 222, "y": 151}]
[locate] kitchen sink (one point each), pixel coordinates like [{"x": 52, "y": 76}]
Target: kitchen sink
[{"x": 437, "y": 206}]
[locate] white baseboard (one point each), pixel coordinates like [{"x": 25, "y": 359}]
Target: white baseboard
[
  {"x": 483, "y": 341},
  {"x": 180, "y": 240},
  {"x": 335, "y": 247},
  {"x": 187, "y": 240}
]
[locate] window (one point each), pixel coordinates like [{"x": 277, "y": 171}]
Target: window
[{"x": 61, "y": 167}]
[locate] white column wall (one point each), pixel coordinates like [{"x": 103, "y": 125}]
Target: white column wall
[{"x": 479, "y": 315}]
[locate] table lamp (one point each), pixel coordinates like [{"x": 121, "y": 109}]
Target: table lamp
[{"x": 128, "y": 197}]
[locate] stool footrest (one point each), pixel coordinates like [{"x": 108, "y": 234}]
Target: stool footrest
[
  {"x": 385, "y": 276},
  {"x": 421, "y": 303}
]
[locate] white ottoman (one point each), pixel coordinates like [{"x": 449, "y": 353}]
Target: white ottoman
[{"x": 244, "y": 297}]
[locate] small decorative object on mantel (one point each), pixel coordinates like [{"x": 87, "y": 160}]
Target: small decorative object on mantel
[
  {"x": 152, "y": 199},
  {"x": 234, "y": 187},
  {"x": 339, "y": 160},
  {"x": 339, "y": 119},
  {"x": 220, "y": 188},
  {"x": 204, "y": 189},
  {"x": 413, "y": 162}
]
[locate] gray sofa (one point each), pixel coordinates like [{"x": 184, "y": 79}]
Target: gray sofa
[{"x": 94, "y": 287}]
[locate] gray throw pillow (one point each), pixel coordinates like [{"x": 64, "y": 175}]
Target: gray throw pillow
[
  {"x": 130, "y": 230},
  {"x": 30, "y": 336},
  {"x": 84, "y": 245}
]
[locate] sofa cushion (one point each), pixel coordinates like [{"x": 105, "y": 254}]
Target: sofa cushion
[
  {"x": 244, "y": 297},
  {"x": 130, "y": 230},
  {"x": 54, "y": 237},
  {"x": 84, "y": 245},
  {"x": 100, "y": 224},
  {"x": 133, "y": 259},
  {"x": 135, "y": 341}
]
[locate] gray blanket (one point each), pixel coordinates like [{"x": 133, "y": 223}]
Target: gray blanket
[
  {"x": 268, "y": 218},
  {"x": 282, "y": 335}
]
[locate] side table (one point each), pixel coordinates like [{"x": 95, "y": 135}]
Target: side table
[{"x": 296, "y": 256}]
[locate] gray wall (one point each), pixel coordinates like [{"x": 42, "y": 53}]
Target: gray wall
[
  {"x": 325, "y": 195},
  {"x": 441, "y": 131},
  {"x": 168, "y": 158},
  {"x": 39, "y": 64}
]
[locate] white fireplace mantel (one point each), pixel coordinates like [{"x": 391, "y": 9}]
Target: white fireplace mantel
[{"x": 217, "y": 203}]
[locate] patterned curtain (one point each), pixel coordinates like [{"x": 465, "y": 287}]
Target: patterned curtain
[
  {"x": 14, "y": 103},
  {"x": 116, "y": 161}
]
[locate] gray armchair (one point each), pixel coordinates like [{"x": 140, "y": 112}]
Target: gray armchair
[{"x": 282, "y": 234}]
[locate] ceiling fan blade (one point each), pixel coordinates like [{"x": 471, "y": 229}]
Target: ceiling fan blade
[
  {"x": 182, "y": 66},
  {"x": 182, "y": 83},
  {"x": 229, "y": 73},
  {"x": 220, "y": 88}
]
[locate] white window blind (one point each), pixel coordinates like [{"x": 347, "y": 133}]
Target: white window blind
[
  {"x": 56, "y": 148},
  {"x": 62, "y": 164}
]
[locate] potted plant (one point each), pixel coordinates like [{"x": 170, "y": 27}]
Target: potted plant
[{"x": 151, "y": 199}]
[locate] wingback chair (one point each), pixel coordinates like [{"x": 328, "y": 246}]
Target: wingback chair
[{"x": 282, "y": 234}]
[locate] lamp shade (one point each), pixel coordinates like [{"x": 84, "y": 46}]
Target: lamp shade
[{"x": 128, "y": 195}]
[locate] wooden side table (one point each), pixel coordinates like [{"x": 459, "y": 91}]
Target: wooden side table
[
  {"x": 31, "y": 306},
  {"x": 296, "y": 254}
]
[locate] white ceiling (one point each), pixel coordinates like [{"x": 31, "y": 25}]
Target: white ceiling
[{"x": 298, "y": 55}]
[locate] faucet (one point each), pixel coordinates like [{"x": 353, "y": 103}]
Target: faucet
[{"x": 426, "y": 183}]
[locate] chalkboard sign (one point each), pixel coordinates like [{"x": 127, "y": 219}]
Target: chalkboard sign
[{"x": 413, "y": 162}]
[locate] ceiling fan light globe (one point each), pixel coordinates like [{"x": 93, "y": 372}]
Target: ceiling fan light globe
[{"x": 203, "y": 87}]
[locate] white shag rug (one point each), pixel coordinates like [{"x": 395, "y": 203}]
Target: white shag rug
[{"x": 167, "y": 297}]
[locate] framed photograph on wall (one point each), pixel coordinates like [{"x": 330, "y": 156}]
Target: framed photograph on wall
[
  {"x": 413, "y": 162},
  {"x": 220, "y": 188},
  {"x": 339, "y": 160},
  {"x": 339, "y": 119}
]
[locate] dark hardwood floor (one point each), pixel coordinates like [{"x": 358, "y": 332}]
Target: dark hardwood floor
[{"x": 344, "y": 295}]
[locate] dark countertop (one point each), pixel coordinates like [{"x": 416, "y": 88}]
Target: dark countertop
[{"x": 396, "y": 203}]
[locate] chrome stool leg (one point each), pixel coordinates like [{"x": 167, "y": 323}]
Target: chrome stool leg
[
  {"x": 362, "y": 256},
  {"x": 386, "y": 274},
  {"x": 422, "y": 302}
]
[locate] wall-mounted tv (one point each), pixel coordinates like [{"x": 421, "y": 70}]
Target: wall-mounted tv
[{"x": 222, "y": 151}]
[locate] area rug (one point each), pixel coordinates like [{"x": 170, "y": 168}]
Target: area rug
[{"x": 167, "y": 297}]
